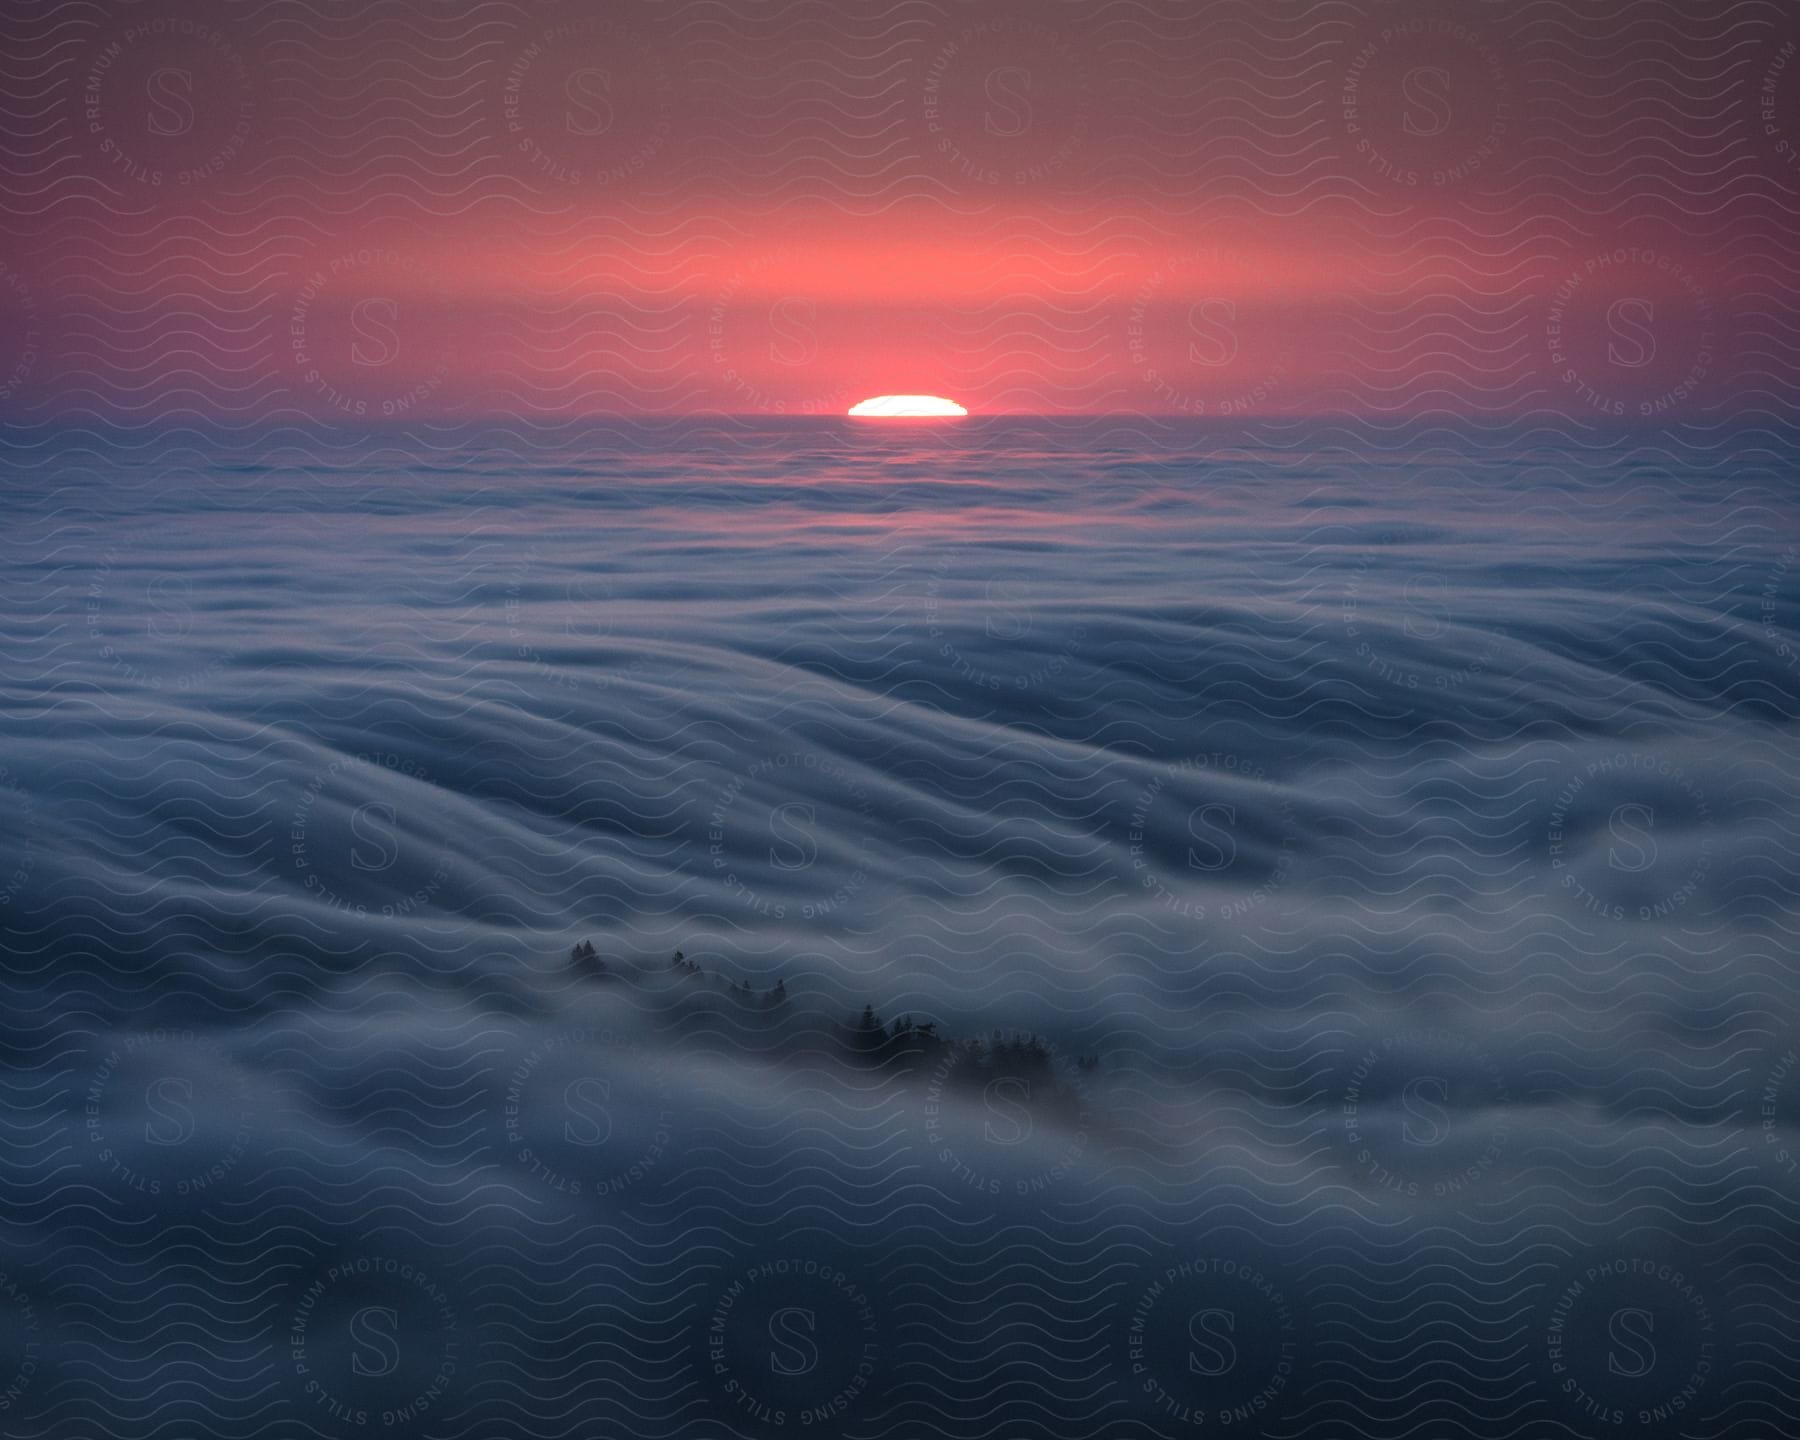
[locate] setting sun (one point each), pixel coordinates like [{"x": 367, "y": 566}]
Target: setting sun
[{"x": 896, "y": 407}]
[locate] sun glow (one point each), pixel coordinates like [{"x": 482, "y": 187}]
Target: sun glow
[{"x": 906, "y": 407}]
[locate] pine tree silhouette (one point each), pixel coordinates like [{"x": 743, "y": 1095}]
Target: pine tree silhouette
[
  {"x": 585, "y": 960},
  {"x": 868, "y": 1035},
  {"x": 908, "y": 1044}
]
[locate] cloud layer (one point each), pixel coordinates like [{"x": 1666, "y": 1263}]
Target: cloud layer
[{"x": 1405, "y": 840}]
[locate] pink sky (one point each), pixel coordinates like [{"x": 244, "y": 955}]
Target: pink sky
[{"x": 253, "y": 211}]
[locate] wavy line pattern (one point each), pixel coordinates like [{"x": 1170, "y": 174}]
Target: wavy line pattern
[{"x": 554, "y": 885}]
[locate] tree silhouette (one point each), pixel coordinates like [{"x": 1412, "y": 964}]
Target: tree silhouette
[
  {"x": 868, "y": 1036},
  {"x": 910, "y": 1045},
  {"x": 586, "y": 961}
]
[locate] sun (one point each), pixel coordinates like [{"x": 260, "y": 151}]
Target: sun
[{"x": 906, "y": 407}]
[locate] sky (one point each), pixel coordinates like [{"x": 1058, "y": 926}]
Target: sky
[{"x": 240, "y": 211}]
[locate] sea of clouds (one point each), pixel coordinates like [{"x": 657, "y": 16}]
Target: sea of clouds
[{"x": 1404, "y": 834}]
